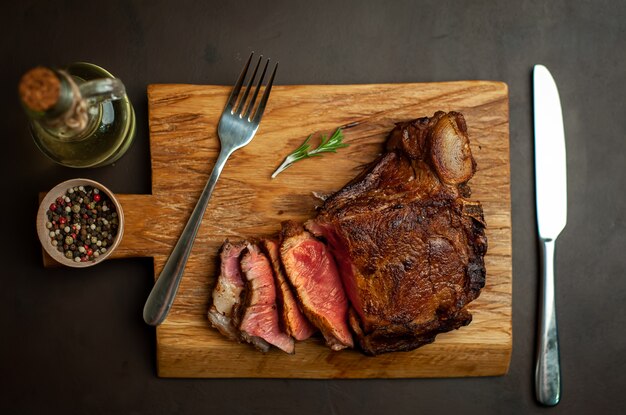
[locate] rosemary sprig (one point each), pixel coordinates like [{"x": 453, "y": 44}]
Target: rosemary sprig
[{"x": 327, "y": 145}]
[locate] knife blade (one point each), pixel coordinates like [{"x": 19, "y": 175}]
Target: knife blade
[{"x": 551, "y": 203}]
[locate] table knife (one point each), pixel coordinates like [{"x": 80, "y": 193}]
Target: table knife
[{"x": 551, "y": 198}]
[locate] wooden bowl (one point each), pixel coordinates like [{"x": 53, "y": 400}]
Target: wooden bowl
[{"x": 42, "y": 219}]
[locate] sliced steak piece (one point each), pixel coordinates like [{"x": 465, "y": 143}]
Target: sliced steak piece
[
  {"x": 294, "y": 322},
  {"x": 226, "y": 296},
  {"x": 312, "y": 272},
  {"x": 259, "y": 324},
  {"x": 408, "y": 243}
]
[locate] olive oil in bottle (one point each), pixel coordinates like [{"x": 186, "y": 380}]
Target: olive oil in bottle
[{"x": 80, "y": 116}]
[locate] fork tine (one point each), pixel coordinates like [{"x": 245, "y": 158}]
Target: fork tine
[
  {"x": 242, "y": 102},
  {"x": 266, "y": 94},
  {"x": 232, "y": 99},
  {"x": 256, "y": 91}
]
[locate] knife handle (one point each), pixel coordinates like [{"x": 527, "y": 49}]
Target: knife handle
[{"x": 548, "y": 371}]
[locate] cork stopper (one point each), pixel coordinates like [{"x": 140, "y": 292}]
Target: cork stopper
[{"x": 40, "y": 89}]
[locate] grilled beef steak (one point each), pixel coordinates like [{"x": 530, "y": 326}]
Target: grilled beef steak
[
  {"x": 312, "y": 272},
  {"x": 259, "y": 324},
  {"x": 404, "y": 256},
  {"x": 295, "y": 323},
  {"x": 224, "y": 311},
  {"x": 408, "y": 243}
]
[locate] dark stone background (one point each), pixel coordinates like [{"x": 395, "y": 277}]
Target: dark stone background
[{"x": 74, "y": 341}]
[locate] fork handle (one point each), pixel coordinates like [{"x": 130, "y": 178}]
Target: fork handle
[
  {"x": 162, "y": 295},
  {"x": 547, "y": 371}
]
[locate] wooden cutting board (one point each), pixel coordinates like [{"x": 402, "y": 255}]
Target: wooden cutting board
[{"x": 246, "y": 202}]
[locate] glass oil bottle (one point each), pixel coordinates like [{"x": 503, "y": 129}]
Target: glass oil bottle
[{"x": 80, "y": 116}]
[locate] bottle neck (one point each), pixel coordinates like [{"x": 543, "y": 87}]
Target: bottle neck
[{"x": 52, "y": 98}]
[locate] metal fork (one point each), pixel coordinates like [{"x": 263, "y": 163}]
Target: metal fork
[{"x": 237, "y": 125}]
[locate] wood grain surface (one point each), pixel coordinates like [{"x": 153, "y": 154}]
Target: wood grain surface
[{"x": 246, "y": 202}]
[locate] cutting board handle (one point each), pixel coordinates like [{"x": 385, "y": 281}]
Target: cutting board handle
[{"x": 141, "y": 237}]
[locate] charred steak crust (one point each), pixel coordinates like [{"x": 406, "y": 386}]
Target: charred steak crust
[{"x": 408, "y": 243}]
